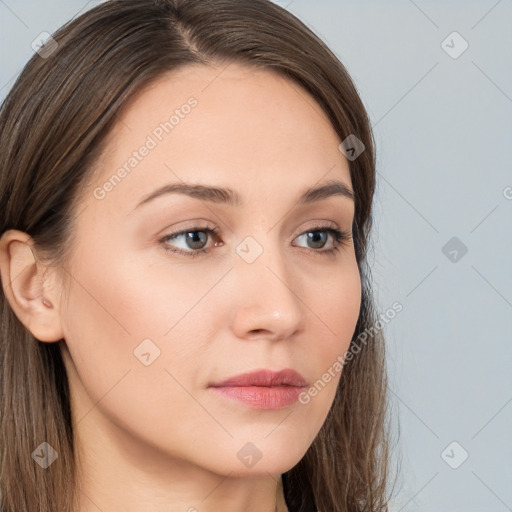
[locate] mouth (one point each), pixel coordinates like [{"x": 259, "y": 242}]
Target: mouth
[{"x": 263, "y": 389}]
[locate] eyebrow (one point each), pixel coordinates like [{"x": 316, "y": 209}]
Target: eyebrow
[{"x": 231, "y": 197}]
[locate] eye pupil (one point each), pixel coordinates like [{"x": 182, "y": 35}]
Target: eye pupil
[
  {"x": 197, "y": 238},
  {"x": 313, "y": 236}
]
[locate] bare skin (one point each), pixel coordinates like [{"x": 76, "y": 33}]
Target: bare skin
[{"x": 155, "y": 437}]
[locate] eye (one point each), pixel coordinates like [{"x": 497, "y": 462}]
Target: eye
[
  {"x": 194, "y": 240},
  {"x": 318, "y": 237}
]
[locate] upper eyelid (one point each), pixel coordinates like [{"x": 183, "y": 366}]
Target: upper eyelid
[{"x": 324, "y": 223}]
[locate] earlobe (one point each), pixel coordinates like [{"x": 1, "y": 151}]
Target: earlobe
[{"x": 29, "y": 287}]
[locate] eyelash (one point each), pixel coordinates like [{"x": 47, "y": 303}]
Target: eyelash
[{"x": 340, "y": 238}]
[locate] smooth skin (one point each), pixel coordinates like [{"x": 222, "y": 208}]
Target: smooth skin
[{"x": 155, "y": 437}]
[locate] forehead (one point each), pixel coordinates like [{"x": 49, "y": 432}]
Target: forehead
[{"x": 232, "y": 124}]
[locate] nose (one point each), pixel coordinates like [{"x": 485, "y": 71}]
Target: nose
[{"x": 266, "y": 300}]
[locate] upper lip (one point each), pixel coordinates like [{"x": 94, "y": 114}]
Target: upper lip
[{"x": 266, "y": 378}]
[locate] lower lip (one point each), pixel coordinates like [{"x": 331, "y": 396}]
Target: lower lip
[{"x": 260, "y": 397}]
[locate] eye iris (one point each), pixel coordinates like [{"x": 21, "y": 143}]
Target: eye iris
[
  {"x": 314, "y": 235},
  {"x": 196, "y": 239}
]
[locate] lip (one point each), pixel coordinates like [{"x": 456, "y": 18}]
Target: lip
[
  {"x": 264, "y": 378},
  {"x": 263, "y": 389}
]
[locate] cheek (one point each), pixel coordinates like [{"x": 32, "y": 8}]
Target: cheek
[
  {"x": 124, "y": 312},
  {"x": 133, "y": 298},
  {"x": 115, "y": 322},
  {"x": 338, "y": 306},
  {"x": 337, "y": 310}
]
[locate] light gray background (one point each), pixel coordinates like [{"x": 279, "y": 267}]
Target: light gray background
[{"x": 443, "y": 128}]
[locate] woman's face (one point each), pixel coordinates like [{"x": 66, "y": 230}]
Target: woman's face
[{"x": 149, "y": 329}]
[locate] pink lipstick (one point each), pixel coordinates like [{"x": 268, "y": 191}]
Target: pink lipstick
[{"x": 263, "y": 389}]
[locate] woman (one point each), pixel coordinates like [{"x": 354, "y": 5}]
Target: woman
[{"x": 186, "y": 197}]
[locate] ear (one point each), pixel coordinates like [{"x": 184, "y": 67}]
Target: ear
[{"x": 30, "y": 287}]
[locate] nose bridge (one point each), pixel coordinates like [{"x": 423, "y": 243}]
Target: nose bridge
[{"x": 266, "y": 301}]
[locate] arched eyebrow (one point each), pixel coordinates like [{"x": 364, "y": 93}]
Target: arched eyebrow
[{"x": 231, "y": 197}]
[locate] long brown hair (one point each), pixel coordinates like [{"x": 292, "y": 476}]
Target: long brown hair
[{"x": 53, "y": 127}]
